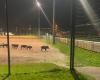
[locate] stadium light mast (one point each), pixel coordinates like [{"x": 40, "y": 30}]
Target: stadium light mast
[
  {"x": 53, "y": 29},
  {"x": 9, "y": 65},
  {"x": 39, "y": 6}
]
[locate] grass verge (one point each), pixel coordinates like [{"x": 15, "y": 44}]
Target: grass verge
[
  {"x": 83, "y": 57},
  {"x": 38, "y": 71}
]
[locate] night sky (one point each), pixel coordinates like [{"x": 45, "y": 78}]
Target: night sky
[{"x": 25, "y": 12}]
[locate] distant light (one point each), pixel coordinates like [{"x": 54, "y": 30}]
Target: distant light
[
  {"x": 91, "y": 13},
  {"x": 38, "y": 4}
]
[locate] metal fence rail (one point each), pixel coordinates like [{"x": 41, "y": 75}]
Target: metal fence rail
[{"x": 89, "y": 45}]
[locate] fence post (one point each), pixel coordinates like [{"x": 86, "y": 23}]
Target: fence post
[
  {"x": 6, "y": 6},
  {"x": 72, "y": 42}
]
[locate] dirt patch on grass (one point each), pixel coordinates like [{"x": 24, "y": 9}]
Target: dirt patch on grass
[
  {"x": 92, "y": 71},
  {"x": 19, "y": 56}
]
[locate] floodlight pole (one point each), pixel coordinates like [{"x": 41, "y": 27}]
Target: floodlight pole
[
  {"x": 53, "y": 29},
  {"x": 9, "y": 65},
  {"x": 72, "y": 42},
  {"x": 39, "y": 6},
  {"x": 39, "y": 22}
]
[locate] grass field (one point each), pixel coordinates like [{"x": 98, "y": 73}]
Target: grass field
[
  {"x": 38, "y": 71},
  {"x": 87, "y": 58},
  {"x": 83, "y": 57}
]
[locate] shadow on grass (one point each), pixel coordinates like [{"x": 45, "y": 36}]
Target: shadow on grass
[
  {"x": 5, "y": 77},
  {"x": 75, "y": 74},
  {"x": 52, "y": 70}
]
